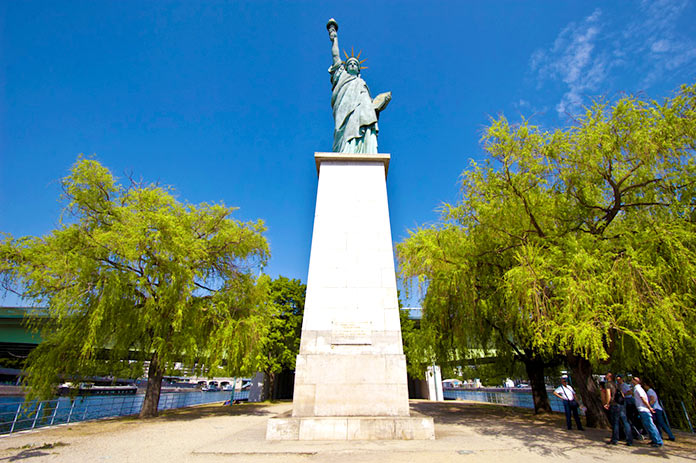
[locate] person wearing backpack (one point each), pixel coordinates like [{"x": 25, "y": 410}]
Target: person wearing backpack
[{"x": 613, "y": 400}]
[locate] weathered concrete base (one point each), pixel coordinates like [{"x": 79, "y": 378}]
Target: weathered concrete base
[{"x": 287, "y": 427}]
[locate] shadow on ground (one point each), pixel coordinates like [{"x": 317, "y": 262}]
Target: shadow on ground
[
  {"x": 25, "y": 455},
  {"x": 32, "y": 451},
  {"x": 216, "y": 409},
  {"x": 540, "y": 434}
]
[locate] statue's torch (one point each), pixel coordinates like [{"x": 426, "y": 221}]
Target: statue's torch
[{"x": 332, "y": 26}]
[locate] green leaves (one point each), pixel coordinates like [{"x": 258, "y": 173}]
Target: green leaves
[
  {"x": 579, "y": 240},
  {"x": 280, "y": 344},
  {"x": 132, "y": 272}
]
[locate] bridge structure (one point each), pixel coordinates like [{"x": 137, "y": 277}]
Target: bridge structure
[
  {"x": 13, "y": 330},
  {"x": 16, "y": 339}
]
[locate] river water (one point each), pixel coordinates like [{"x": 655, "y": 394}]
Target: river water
[{"x": 16, "y": 416}]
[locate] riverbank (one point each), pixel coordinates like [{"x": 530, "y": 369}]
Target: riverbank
[{"x": 466, "y": 432}]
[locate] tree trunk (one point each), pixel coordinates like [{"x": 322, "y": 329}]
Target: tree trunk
[
  {"x": 535, "y": 373},
  {"x": 275, "y": 389},
  {"x": 586, "y": 387},
  {"x": 269, "y": 385},
  {"x": 154, "y": 385}
]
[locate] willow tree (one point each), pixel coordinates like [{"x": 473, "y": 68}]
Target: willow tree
[
  {"x": 281, "y": 343},
  {"x": 461, "y": 263},
  {"x": 579, "y": 242},
  {"x": 131, "y": 274}
]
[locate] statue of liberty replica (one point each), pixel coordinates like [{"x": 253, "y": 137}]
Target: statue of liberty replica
[
  {"x": 350, "y": 372},
  {"x": 355, "y": 112}
]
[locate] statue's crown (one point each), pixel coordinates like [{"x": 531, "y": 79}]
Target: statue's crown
[{"x": 357, "y": 59}]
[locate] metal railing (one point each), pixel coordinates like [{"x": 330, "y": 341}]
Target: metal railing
[
  {"x": 16, "y": 415},
  {"x": 515, "y": 399}
]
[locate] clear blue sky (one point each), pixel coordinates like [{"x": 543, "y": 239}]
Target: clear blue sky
[{"x": 228, "y": 101}]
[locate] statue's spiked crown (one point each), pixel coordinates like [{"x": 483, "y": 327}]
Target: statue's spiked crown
[{"x": 357, "y": 59}]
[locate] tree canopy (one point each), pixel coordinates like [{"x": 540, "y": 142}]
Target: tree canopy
[
  {"x": 131, "y": 273},
  {"x": 578, "y": 242},
  {"x": 279, "y": 346}
]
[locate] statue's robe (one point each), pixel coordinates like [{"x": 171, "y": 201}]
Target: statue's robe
[{"x": 354, "y": 114}]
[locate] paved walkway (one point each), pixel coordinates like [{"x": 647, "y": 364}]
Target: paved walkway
[{"x": 466, "y": 432}]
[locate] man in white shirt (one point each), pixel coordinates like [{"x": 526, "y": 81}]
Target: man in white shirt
[
  {"x": 645, "y": 412},
  {"x": 570, "y": 404},
  {"x": 659, "y": 413}
]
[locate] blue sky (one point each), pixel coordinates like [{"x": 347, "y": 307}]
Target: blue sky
[{"x": 228, "y": 101}]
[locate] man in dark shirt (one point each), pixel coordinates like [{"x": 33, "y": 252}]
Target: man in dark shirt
[{"x": 613, "y": 400}]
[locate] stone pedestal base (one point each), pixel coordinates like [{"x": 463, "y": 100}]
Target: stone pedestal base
[
  {"x": 350, "y": 376},
  {"x": 350, "y": 428},
  {"x": 341, "y": 384}
]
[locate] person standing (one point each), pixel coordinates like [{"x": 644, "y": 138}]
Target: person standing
[
  {"x": 570, "y": 404},
  {"x": 631, "y": 411},
  {"x": 645, "y": 412},
  {"x": 613, "y": 400},
  {"x": 625, "y": 389},
  {"x": 659, "y": 413}
]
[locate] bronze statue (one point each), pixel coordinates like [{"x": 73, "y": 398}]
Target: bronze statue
[{"x": 355, "y": 112}]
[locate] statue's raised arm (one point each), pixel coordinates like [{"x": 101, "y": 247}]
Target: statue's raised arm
[
  {"x": 332, "y": 27},
  {"x": 355, "y": 112}
]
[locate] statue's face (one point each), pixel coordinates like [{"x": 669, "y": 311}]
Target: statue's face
[{"x": 353, "y": 67}]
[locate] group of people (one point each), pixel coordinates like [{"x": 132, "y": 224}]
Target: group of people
[
  {"x": 623, "y": 401},
  {"x": 629, "y": 407}
]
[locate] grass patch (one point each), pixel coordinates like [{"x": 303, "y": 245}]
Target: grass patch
[{"x": 44, "y": 446}]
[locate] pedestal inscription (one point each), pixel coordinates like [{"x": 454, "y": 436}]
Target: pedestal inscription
[{"x": 351, "y": 333}]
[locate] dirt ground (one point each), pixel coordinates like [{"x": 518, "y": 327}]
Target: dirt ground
[{"x": 465, "y": 432}]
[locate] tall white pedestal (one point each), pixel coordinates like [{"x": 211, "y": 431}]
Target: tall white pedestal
[{"x": 350, "y": 378}]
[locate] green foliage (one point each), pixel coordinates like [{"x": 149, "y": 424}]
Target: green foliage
[
  {"x": 496, "y": 372},
  {"x": 578, "y": 241},
  {"x": 425, "y": 345},
  {"x": 132, "y": 273},
  {"x": 417, "y": 346},
  {"x": 279, "y": 346}
]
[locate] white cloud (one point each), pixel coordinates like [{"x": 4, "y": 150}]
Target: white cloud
[
  {"x": 678, "y": 60},
  {"x": 647, "y": 43},
  {"x": 573, "y": 59},
  {"x": 660, "y": 46}
]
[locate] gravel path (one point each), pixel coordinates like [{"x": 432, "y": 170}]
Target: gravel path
[{"x": 466, "y": 432}]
